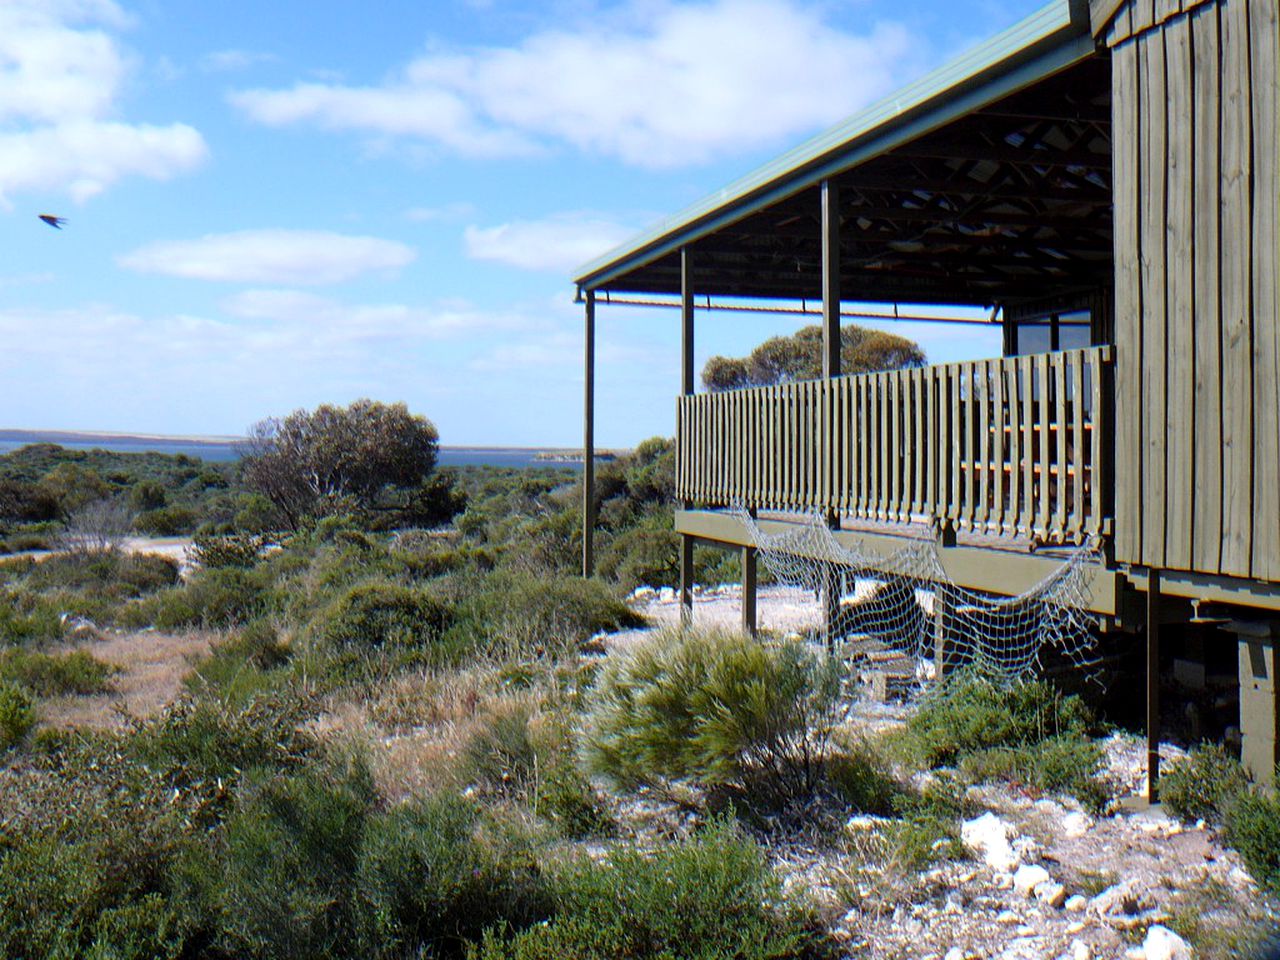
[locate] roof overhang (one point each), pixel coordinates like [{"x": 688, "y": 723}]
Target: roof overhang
[{"x": 976, "y": 184}]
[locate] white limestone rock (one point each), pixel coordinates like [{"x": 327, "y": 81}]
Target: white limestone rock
[
  {"x": 1163, "y": 944},
  {"x": 1029, "y": 876},
  {"x": 1051, "y": 894},
  {"x": 988, "y": 836}
]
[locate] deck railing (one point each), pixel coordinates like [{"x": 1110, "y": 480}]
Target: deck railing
[{"x": 1013, "y": 447}]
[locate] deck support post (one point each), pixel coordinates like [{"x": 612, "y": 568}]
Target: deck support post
[
  {"x": 589, "y": 439},
  {"x": 1152, "y": 627},
  {"x": 686, "y": 389},
  {"x": 749, "y": 624}
]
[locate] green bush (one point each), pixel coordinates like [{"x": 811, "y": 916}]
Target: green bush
[
  {"x": 48, "y": 675},
  {"x": 165, "y": 521},
  {"x": 211, "y": 598},
  {"x": 227, "y": 550},
  {"x": 244, "y": 666},
  {"x": 864, "y": 780},
  {"x": 1253, "y": 828},
  {"x": 709, "y": 898},
  {"x": 27, "y": 618},
  {"x": 430, "y": 878},
  {"x": 1064, "y": 764},
  {"x": 381, "y": 614},
  {"x": 969, "y": 713},
  {"x": 541, "y": 614},
  {"x": 292, "y": 846},
  {"x": 17, "y": 715},
  {"x": 1204, "y": 786},
  {"x": 716, "y": 707}
]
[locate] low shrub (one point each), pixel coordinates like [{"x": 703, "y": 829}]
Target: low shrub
[
  {"x": 212, "y": 551},
  {"x": 430, "y": 878},
  {"x": 715, "y": 707},
  {"x": 27, "y": 618},
  {"x": 532, "y": 615},
  {"x": 1204, "y": 786},
  {"x": 244, "y": 666},
  {"x": 1068, "y": 764},
  {"x": 1253, "y": 828},
  {"x": 17, "y": 715},
  {"x": 969, "y": 713},
  {"x": 165, "y": 521},
  {"x": 863, "y": 779},
  {"x": 712, "y": 897},
  {"x": 222, "y": 597},
  {"x": 381, "y": 614},
  {"x": 49, "y": 675}
]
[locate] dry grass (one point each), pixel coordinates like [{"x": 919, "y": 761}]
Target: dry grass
[{"x": 152, "y": 667}]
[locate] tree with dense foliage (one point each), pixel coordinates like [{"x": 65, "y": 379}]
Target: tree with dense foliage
[
  {"x": 799, "y": 357},
  {"x": 332, "y": 459}
]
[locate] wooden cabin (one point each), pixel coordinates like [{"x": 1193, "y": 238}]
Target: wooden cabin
[{"x": 1102, "y": 178}]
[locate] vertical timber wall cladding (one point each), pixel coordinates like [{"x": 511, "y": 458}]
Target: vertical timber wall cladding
[{"x": 1197, "y": 327}]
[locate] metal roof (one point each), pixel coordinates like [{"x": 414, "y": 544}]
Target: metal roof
[{"x": 1045, "y": 43}]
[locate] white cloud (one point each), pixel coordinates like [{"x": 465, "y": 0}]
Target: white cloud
[
  {"x": 367, "y": 322},
  {"x": 301, "y": 257},
  {"x": 656, "y": 85},
  {"x": 227, "y": 61},
  {"x": 557, "y": 244},
  {"x": 60, "y": 76}
]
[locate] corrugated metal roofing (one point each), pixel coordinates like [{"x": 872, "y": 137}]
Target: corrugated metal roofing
[{"x": 1047, "y": 41}]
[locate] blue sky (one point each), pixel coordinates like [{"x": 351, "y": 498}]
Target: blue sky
[{"x": 274, "y": 205}]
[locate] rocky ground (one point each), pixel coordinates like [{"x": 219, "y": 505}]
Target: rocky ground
[{"x": 1042, "y": 878}]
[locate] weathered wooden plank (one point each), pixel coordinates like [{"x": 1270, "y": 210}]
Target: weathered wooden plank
[
  {"x": 956, "y": 495},
  {"x": 1013, "y": 393},
  {"x": 1029, "y": 434},
  {"x": 1097, "y": 442},
  {"x": 1059, "y": 363},
  {"x": 1152, "y": 257},
  {"x": 999, "y": 422},
  {"x": 1044, "y": 424},
  {"x": 1237, "y": 360},
  {"x": 1179, "y": 294},
  {"x": 1143, "y": 14},
  {"x": 1127, "y": 175},
  {"x": 1079, "y": 443},
  {"x": 933, "y": 417},
  {"x": 883, "y": 488},
  {"x": 1206, "y": 320},
  {"x": 1264, "y": 32},
  {"x": 1121, "y": 26},
  {"x": 917, "y": 446}
]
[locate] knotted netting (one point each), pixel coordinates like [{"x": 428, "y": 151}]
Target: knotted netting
[{"x": 906, "y": 604}]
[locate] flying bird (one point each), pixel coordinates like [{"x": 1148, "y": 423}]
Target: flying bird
[{"x": 51, "y": 220}]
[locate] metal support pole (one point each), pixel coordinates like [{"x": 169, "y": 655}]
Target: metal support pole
[
  {"x": 686, "y": 322},
  {"x": 589, "y": 439},
  {"x": 830, "y": 279},
  {"x": 686, "y": 389},
  {"x": 1153, "y": 684}
]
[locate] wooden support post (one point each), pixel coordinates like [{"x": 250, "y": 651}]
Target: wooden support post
[
  {"x": 831, "y": 590},
  {"x": 749, "y": 624},
  {"x": 830, "y": 279},
  {"x": 589, "y": 439},
  {"x": 1153, "y": 684},
  {"x": 686, "y": 580}
]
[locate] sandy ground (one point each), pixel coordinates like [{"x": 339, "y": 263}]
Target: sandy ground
[
  {"x": 778, "y": 609},
  {"x": 152, "y": 667}
]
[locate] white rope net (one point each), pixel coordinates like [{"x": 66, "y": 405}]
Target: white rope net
[{"x": 904, "y": 609}]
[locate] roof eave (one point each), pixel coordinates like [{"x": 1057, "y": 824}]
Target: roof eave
[{"x": 1049, "y": 40}]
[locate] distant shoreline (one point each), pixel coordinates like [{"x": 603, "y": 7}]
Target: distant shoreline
[{"x": 227, "y": 448}]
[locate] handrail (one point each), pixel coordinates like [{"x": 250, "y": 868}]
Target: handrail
[{"x": 1017, "y": 446}]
